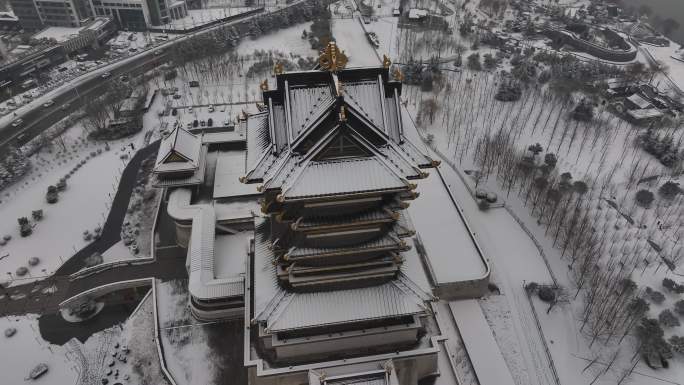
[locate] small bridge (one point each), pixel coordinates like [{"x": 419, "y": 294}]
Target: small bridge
[{"x": 53, "y": 293}]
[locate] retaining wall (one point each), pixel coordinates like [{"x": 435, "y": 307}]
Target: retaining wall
[{"x": 616, "y": 55}]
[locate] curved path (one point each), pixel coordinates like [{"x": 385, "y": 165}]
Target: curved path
[
  {"x": 111, "y": 230},
  {"x": 45, "y": 296}
]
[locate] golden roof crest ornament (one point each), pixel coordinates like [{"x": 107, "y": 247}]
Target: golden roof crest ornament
[
  {"x": 264, "y": 85},
  {"x": 332, "y": 58},
  {"x": 278, "y": 68},
  {"x": 398, "y": 75},
  {"x": 386, "y": 62},
  {"x": 343, "y": 114}
]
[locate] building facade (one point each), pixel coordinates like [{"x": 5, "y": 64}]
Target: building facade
[
  {"x": 37, "y": 14},
  {"x": 64, "y": 13},
  {"x": 137, "y": 15},
  {"x": 27, "y": 12}
]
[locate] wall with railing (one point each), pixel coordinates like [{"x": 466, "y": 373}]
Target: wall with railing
[{"x": 605, "y": 53}]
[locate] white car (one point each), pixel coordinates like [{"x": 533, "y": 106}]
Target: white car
[
  {"x": 49, "y": 103},
  {"x": 17, "y": 123},
  {"x": 211, "y": 108},
  {"x": 106, "y": 75}
]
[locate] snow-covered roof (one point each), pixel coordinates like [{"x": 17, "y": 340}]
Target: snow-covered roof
[
  {"x": 387, "y": 242},
  {"x": 196, "y": 177},
  {"x": 355, "y": 175},
  {"x": 302, "y": 117},
  {"x": 203, "y": 282},
  {"x": 415, "y": 13},
  {"x": 648, "y": 113},
  {"x": 639, "y": 101},
  {"x": 307, "y": 310},
  {"x": 230, "y": 166},
  {"x": 60, "y": 34},
  {"x": 178, "y": 151}
]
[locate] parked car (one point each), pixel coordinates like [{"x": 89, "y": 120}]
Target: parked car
[
  {"x": 17, "y": 123},
  {"x": 194, "y": 83},
  {"x": 49, "y": 103},
  {"x": 64, "y": 107},
  {"x": 211, "y": 108},
  {"x": 106, "y": 75}
]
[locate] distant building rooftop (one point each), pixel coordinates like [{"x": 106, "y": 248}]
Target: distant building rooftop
[{"x": 59, "y": 34}]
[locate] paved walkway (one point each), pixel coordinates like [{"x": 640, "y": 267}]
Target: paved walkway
[
  {"x": 484, "y": 353},
  {"x": 111, "y": 230},
  {"x": 45, "y": 296}
]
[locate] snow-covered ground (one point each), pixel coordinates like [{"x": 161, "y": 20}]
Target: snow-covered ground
[
  {"x": 351, "y": 38},
  {"x": 187, "y": 350},
  {"x": 84, "y": 204},
  {"x": 26, "y": 349},
  {"x": 285, "y": 40}
]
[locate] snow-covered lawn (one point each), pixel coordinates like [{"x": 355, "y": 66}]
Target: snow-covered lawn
[
  {"x": 287, "y": 40},
  {"x": 605, "y": 147},
  {"x": 351, "y": 38},
  {"x": 124, "y": 353},
  {"x": 83, "y": 205},
  {"x": 186, "y": 343},
  {"x": 26, "y": 349}
]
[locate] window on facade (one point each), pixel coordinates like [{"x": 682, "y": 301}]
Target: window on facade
[{"x": 343, "y": 147}]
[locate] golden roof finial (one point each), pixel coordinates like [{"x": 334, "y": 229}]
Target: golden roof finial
[
  {"x": 386, "y": 62},
  {"x": 264, "y": 85},
  {"x": 398, "y": 75},
  {"x": 278, "y": 68},
  {"x": 343, "y": 114},
  {"x": 332, "y": 58}
]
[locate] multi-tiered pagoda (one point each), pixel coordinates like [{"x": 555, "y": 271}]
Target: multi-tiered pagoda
[{"x": 336, "y": 172}]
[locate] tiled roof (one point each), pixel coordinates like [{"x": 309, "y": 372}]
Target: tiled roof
[
  {"x": 183, "y": 143},
  {"x": 197, "y": 176},
  {"x": 330, "y": 177},
  {"x": 376, "y": 215},
  {"x": 307, "y": 310},
  {"x": 388, "y": 241},
  {"x": 202, "y": 283},
  {"x": 306, "y": 104},
  {"x": 365, "y": 97}
]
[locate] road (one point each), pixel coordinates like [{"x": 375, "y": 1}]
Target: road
[{"x": 90, "y": 86}]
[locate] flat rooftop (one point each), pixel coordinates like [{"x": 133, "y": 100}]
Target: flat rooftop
[
  {"x": 230, "y": 166},
  {"x": 230, "y": 254},
  {"x": 60, "y": 34},
  {"x": 450, "y": 250}
]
